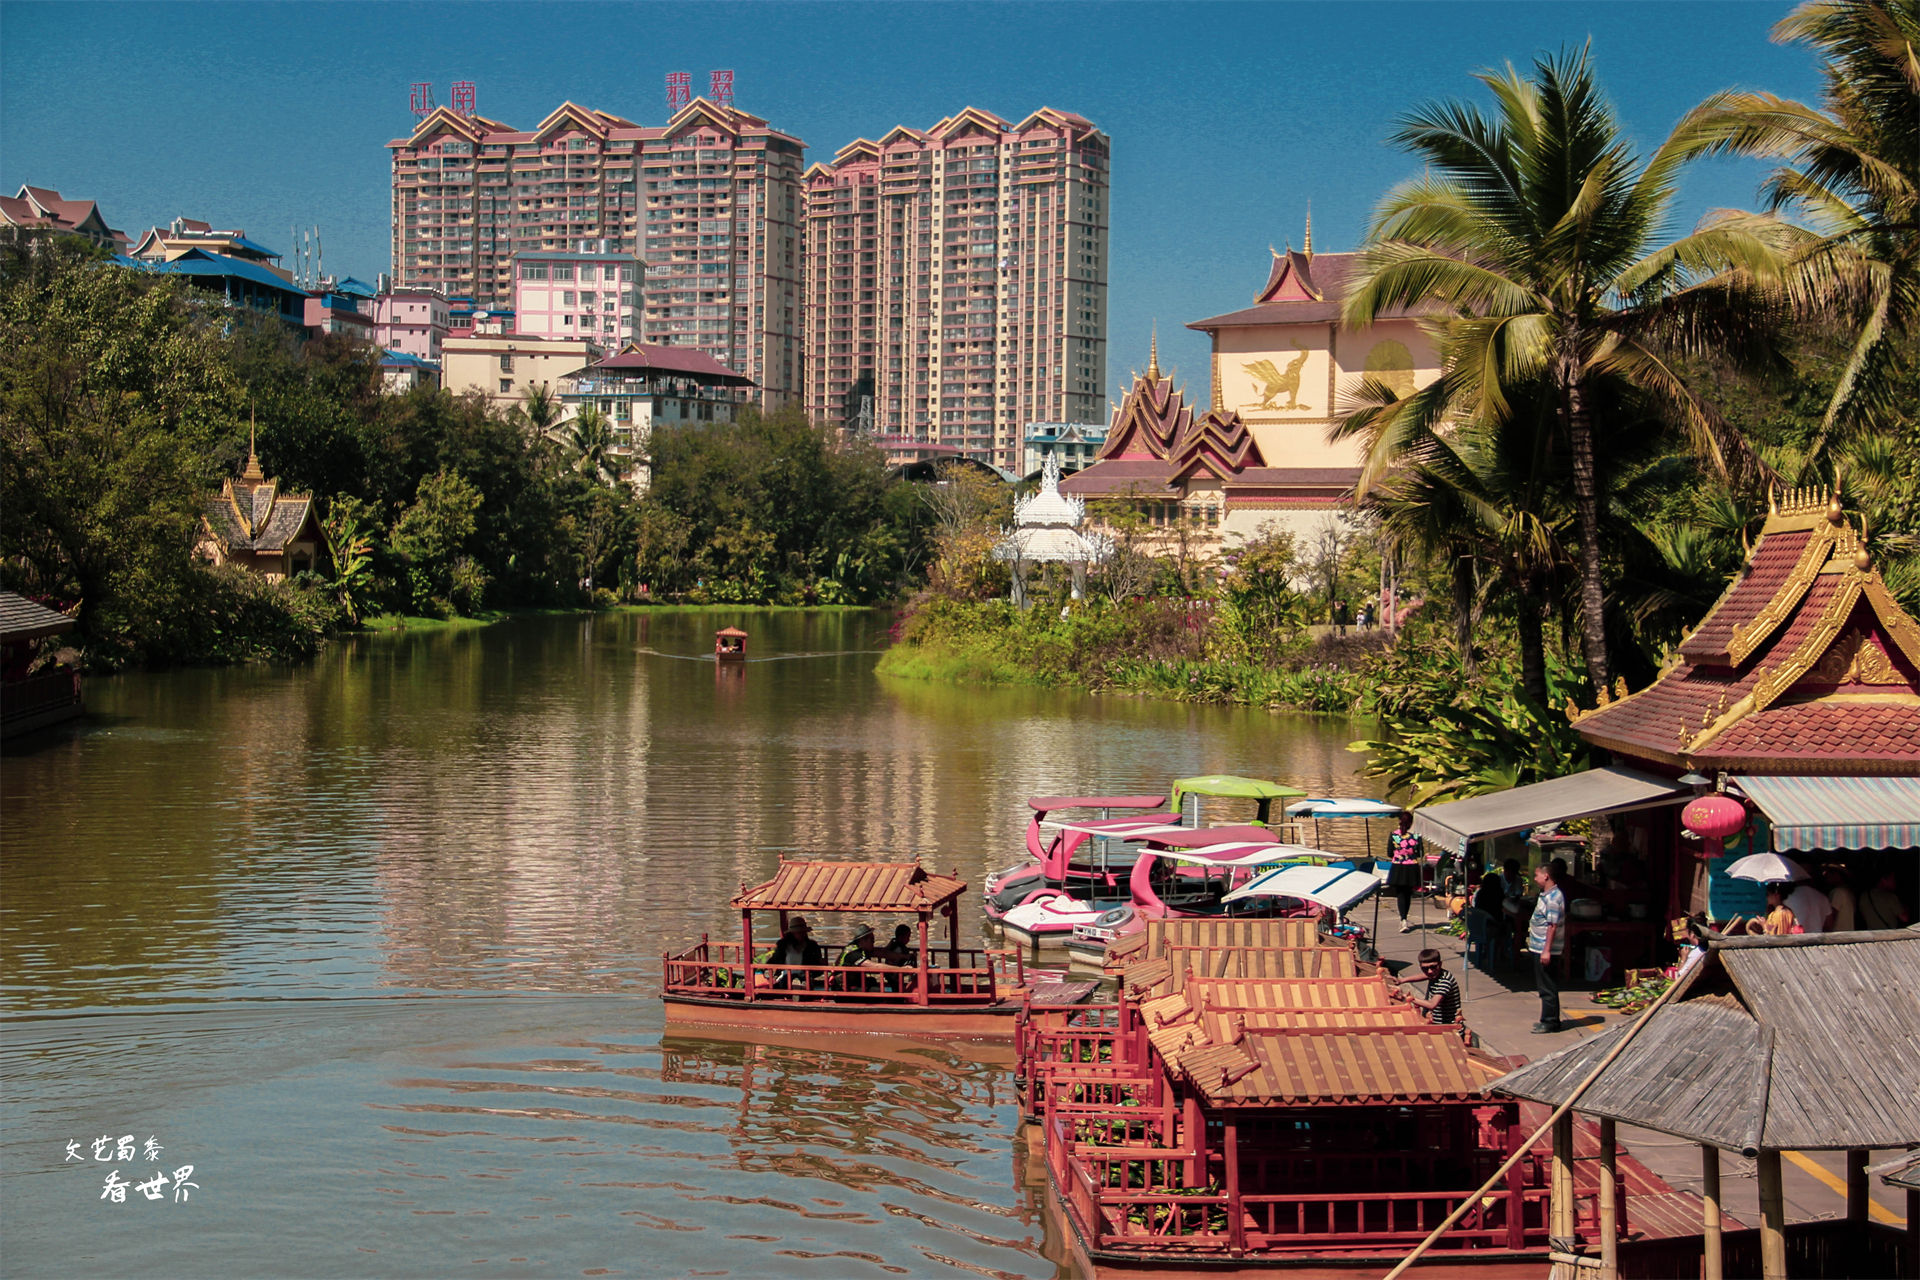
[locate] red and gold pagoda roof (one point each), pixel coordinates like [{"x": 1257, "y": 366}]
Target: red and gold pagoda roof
[{"x": 1805, "y": 665}]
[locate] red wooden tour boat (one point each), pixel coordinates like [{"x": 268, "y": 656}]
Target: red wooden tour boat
[
  {"x": 1296, "y": 1116},
  {"x": 945, "y": 991}
]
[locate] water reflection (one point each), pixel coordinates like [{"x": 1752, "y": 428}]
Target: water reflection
[{"x": 377, "y": 939}]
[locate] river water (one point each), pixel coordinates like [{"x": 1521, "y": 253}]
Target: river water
[{"x": 372, "y": 944}]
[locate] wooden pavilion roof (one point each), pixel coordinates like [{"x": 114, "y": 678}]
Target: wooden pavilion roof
[
  {"x": 1152, "y": 942},
  {"x": 1808, "y": 1042},
  {"x": 851, "y": 886},
  {"x": 1180, "y": 966},
  {"x": 1805, "y": 665},
  {"x": 1234, "y": 1062}
]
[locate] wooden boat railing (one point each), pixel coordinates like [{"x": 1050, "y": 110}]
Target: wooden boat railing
[{"x": 721, "y": 970}]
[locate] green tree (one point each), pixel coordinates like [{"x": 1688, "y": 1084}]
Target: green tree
[
  {"x": 115, "y": 400},
  {"x": 1852, "y": 170},
  {"x": 1537, "y": 224},
  {"x": 539, "y": 409},
  {"x": 435, "y": 535}
]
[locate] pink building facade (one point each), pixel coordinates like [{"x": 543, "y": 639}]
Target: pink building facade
[
  {"x": 413, "y": 321},
  {"x": 957, "y": 275},
  {"x": 710, "y": 202},
  {"x": 591, "y": 294}
]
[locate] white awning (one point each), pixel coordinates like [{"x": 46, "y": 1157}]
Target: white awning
[
  {"x": 1582, "y": 795},
  {"x": 1335, "y": 888}
]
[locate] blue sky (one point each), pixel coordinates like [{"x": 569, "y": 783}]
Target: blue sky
[{"x": 1226, "y": 119}]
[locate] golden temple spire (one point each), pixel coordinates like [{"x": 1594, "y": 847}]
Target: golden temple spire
[
  {"x": 1153, "y": 355},
  {"x": 253, "y": 471},
  {"x": 1308, "y": 249}
]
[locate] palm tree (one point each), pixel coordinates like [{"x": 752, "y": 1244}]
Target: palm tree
[
  {"x": 1534, "y": 233},
  {"x": 539, "y": 409},
  {"x": 1474, "y": 491},
  {"x": 1853, "y": 171},
  {"x": 589, "y": 435}
]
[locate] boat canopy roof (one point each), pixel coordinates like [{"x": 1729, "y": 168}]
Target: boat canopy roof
[
  {"x": 1228, "y": 786},
  {"x": 1200, "y": 837},
  {"x": 851, "y": 886},
  {"x": 1241, "y": 853},
  {"x": 1293, "y": 1066},
  {"x": 1343, "y": 807},
  {"x": 1047, "y": 804},
  {"x": 1335, "y": 888},
  {"x": 1144, "y": 827}
]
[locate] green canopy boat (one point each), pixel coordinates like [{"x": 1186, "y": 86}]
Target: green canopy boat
[{"x": 1227, "y": 786}]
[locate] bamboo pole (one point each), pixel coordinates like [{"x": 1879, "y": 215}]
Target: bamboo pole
[
  {"x": 1520, "y": 1151},
  {"x": 1714, "y": 1257},
  {"x": 1609, "y": 1204},
  {"x": 1561, "y": 1214},
  {"x": 1773, "y": 1216}
]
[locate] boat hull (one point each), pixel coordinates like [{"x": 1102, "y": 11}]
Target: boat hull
[
  {"x": 1109, "y": 1264},
  {"x": 945, "y": 1022}
]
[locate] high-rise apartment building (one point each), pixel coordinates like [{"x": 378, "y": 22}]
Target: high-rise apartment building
[
  {"x": 710, "y": 202},
  {"x": 957, "y": 275}
]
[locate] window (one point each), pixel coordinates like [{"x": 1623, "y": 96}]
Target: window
[
  {"x": 563, "y": 271},
  {"x": 506, "y": 386},
  {"x": 586, "y": 273},
  {"x": 533, "y": 271},
  {"x": 506, "y": 364}
]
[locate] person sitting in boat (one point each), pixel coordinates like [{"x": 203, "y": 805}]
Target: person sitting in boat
[
  {"x": 899, "y": 950},
  {"x": 796, "y": 946},
  {"x": 1441, "y": 1004},
  {"x": 859, "y": 949}
]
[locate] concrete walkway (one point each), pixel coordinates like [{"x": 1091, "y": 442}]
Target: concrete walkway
[{"x": 1502, "y": 1007}]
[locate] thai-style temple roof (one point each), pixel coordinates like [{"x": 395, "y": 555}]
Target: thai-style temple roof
[
  {"x": 1155, "y": 444},
  {"x": 851, "y": 886},
  {"x": 1805, "y": 665},
  {"x": 1303, "y": 287},
  {"x": 1807, "y": 1042},
  {"x": 251, "y": 514}
]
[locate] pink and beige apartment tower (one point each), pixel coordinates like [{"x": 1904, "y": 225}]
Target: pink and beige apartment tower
[
  {"x": 709, "y": 202},
  {"x": 958, "y": 276}
]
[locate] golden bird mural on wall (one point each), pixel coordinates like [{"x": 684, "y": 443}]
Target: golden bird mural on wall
[{"x": 1275, "y": 382}]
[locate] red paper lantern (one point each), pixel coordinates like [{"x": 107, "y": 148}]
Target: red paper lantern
[{"x": 1714, "y": 817}]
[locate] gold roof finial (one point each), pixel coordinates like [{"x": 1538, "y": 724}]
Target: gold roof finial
[
  {"x": 1153, "y": 354},
  {"x": 253, "y": 471},
  {"x": 1308, "y": 248}
]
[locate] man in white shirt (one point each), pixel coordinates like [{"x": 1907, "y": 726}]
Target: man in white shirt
[{"x": 1810, "y": 908}]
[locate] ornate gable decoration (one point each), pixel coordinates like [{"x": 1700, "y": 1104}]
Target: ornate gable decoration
[
  {"x": 1290, "y": 280},
  {"x": 1218, "y": 442},
  {"x": 1149, "y": 420},
  {"x": 1806, "y": 664}
]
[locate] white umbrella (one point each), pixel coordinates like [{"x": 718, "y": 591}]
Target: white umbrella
[{"x": 1768, "y": 868}]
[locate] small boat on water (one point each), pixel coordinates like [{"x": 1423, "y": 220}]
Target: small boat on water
[
  {"x": 935, "y": 988},
  {"x": 1196, "y": 864},
  {"x": 1070, "y": 858},
  {"x": 730, "y": 645}
]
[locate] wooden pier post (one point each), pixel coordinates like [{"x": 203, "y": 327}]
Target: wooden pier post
[
  {"x": 1609, "y": 1204},
  {"x": 1773, "y": 1216},
  {"x": 1714, "y": 1260},
  {"x": 1857, "y": 1185}
]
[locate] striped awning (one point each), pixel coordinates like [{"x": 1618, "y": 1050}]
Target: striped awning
[{"x": 1811, "y": 815}]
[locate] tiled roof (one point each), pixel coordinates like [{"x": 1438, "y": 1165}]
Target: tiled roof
[
  {"x": 22, "y": 619},
  {"x": 851, "y": 886},
  {"x": 1180, "y": 965},
  {"x": 1805, "y": 665},
  {"x": 251, "y": 514},
  {"x": 1307, "y": 1066},
  {"x": 1762, "y": 578},
  {"x": 638, "y": 357},
  {"x": 1816, "y": 734},
  {"x": 1152, "y": 942}
]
